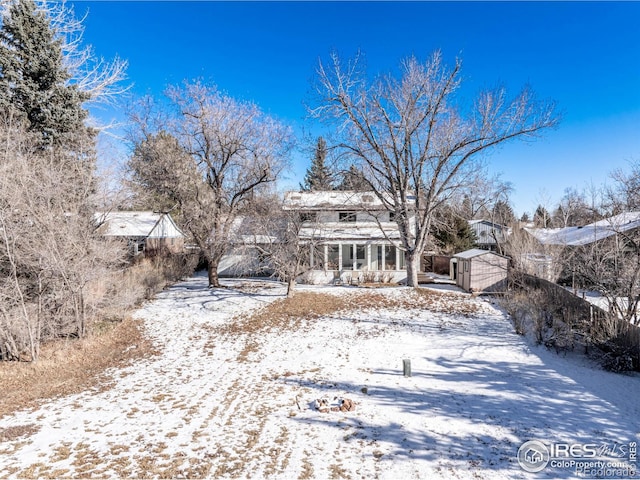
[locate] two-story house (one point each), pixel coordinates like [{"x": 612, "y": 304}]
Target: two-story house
[
  {"x": 351, "y": 236},
  {"x": 489, "y": 235}
]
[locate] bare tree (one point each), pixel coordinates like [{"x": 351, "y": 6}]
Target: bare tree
[
  {"x": 612, "y": 267},
  {"x": 285, "y": 239},
  {"x": 416, "y": 148},
  {"x": 49, "y": 253},
  {"x": 624, "y": 194},
  {"x": 211, "y": 154},
  {"x": 529, "y": 256},
  {"x": 574, "y": 210}
]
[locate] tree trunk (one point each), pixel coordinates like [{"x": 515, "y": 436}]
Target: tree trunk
[
  {"x": 291, "y": 287},
  {"x": 212, "y": 270},
  {"x": 412, "y": 261}
]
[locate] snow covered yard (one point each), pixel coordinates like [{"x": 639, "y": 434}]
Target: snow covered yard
[{"x": 233, "y": 389}]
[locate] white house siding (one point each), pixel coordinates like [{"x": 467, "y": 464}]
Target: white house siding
[{"x": 487, "y": 232}]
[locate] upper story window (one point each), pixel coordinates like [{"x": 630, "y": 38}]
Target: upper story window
[
  {"x": 347, "y": 217},
  {"x": 309, "y": 217}
]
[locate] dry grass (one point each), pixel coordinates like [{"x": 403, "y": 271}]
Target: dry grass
[
  {"x": 282, "y": 313},
  {"x": 13, "y": 433},
  {"x": 289, "y": 312},
  {"x": 70, "y": 366}
]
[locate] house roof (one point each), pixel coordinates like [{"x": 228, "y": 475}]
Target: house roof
[
  {"x": 576, "y": 236},
  {"x": 475, "y": 252},
  {"x": 136, "y": 224},
  {"x": 350, "y": 232},
  {"x": 486, "y": 222},
  {"x": 333, "y": 200}
]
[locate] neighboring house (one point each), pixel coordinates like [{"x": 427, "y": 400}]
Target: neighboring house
[
  {"x": 545, "y": 260},
  {"x": 479, "y": 270},
  {"x": 594, "y": 232},
  {"x": 243, "y": 257},
  {"x": 489, "y": 235},
  {"x": 143, "y": 231},
  {"x": 351, "y": 235}
]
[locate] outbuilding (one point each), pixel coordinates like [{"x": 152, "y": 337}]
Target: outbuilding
[
  {"x": 481, "y": 271},
  {"x": 143, "y": 231}
]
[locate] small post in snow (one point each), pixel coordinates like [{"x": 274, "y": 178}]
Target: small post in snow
[{"x": 406, "y": 367}]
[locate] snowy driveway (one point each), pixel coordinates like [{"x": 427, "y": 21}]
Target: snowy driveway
[{"x": 221, "y": 402}]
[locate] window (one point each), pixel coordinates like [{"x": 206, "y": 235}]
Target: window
[
  {"x": 347, "y": 217},
  {"x": 309, "y": 217},
  {"x": 347, "y": 257},
  {"x": 392, "y": 216},
  {"x": 333, "y": 257},
  {"x": 318, "y": 257},
  {"x": 376, "y": 257},
  {"x": 361, "y": 257},
  {"x": 390, "y": 257}
]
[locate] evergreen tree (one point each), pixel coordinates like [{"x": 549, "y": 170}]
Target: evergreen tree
[
  {"x": 34, "y": 82},
  {"x": 541, "y": 217},
  {"x": 503, "y": 213},
  {"x": 353, "y": 179},
  {"x": 318, "y": 176},
  {"x": 452, "y": 233}
]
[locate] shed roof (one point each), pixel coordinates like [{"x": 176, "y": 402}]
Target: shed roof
[{"x": 475, "y": 252}]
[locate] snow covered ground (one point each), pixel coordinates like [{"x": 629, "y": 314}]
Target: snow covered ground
[{"x": 225, "y": 399}]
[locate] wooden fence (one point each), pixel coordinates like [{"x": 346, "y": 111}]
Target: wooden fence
[{"x": 597, "y": 326}]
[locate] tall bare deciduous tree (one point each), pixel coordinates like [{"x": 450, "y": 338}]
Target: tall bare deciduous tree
[
  {"x": 415, "y": 146},
  {"x": 211, "y": 154},
  {"x": 49, "y": 254}
]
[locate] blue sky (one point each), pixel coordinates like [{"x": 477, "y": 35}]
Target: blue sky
[{"x": 583, "y": 55}]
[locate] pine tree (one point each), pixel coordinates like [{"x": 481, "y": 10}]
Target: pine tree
[
  {"x": 541, "y": 217},
  {"x": 353, "y": 179},
  {"x": 454, "y": 235},
  {"x": 503, "y": 213},
  {"x": 318, "y": 176},
  {"x": 34, "y": 82}
]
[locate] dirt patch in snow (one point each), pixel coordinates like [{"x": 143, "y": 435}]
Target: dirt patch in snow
[{"x": 288, "y": 312}]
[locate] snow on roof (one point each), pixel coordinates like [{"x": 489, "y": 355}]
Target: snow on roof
[
  {"x": 350, "y": 233},
  {"x": 474, "y": 252},
  {"x": 132, "y": 224},
  {"x": 333, "y": 200},
  {"x": 487, "y": 222},
  {"x": 576, "y": 236}
]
